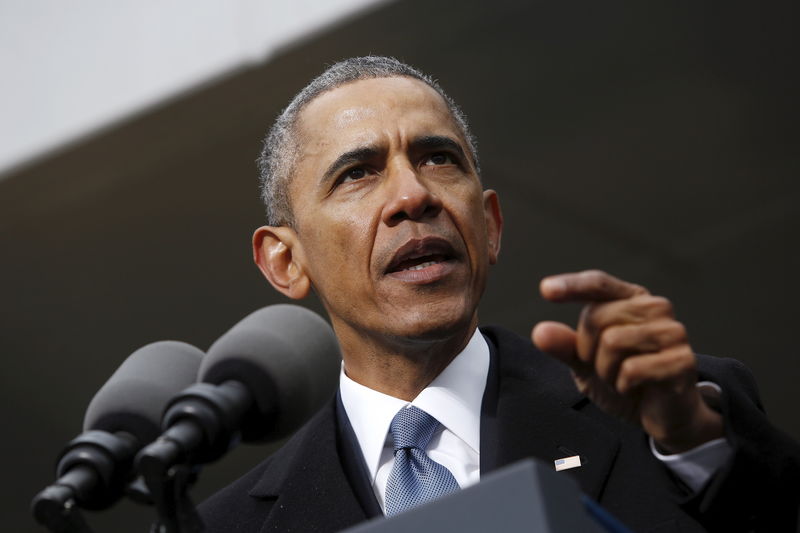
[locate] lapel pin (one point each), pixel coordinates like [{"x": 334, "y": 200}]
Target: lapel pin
[{"x": 567, "y": 463}]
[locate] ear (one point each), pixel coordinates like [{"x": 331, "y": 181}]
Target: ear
[
  {"x": 279, "y": 255},
  {"x": 494, "y": 223}
]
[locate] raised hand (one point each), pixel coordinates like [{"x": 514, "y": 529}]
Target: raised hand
[{"x": 630, "y": 356}]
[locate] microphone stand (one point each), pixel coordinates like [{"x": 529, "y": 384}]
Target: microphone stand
[
  {"x": 170, "y": 493},
  {"x": 201, "y": 425}
]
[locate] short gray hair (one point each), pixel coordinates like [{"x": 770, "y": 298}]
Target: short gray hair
[{"x": 279, "y": 152}]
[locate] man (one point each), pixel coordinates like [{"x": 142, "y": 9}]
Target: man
[{"x": 375, "y": 203}]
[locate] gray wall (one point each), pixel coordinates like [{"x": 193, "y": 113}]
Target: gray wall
[{"x": 656, "y": 140}]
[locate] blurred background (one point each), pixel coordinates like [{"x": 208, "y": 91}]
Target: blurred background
[{"x": 656, "y": 140}]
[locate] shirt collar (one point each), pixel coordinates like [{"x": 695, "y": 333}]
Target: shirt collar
[{"x": 454, "y": 398}]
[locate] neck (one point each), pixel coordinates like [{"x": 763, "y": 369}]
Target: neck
[{"x": 401, "y": 368}]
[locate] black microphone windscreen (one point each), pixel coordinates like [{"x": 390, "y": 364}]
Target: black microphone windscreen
[
  {"x": 134, "y": 397},
  {"x": 288, "y": 358}
]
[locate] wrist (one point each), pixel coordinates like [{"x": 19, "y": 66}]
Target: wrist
[{"x": 703, "y": 426}]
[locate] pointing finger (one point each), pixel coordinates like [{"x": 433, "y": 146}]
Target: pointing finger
[{"x": 587, "y": 286}]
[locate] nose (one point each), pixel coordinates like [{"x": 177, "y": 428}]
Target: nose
[{"x": 409, "y": 198}]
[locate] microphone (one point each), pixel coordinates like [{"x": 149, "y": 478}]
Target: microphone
[
  {"x": 258, "y": 382},
  {"x": 124, "y": 415}
]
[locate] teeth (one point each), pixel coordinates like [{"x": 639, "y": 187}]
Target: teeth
[{"x": 422, "y": 265}]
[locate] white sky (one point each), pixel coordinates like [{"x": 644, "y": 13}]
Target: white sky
[{"x": 68, "y": 68}]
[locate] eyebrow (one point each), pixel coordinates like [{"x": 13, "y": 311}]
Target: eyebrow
[
  {"x": 437, "y": 142},
  {"x": 356, "y": 155},
  {"x": 365, "y": 153}
]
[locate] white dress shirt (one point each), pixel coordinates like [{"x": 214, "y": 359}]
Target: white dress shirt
[{"x": 454, "y": 398}]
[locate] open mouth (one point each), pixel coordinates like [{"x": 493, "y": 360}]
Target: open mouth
[
  {"x": 419, "y": 254},
  {"x": 418, "y": 263}
]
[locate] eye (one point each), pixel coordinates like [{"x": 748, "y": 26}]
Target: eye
[
  {"x": 353, "y": 174},
  {"x": 439, "y": 158}
]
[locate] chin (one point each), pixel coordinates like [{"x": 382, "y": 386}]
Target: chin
[{"x": 432, "y": 323}]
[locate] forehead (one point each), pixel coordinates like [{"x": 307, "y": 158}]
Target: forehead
[{"x": 370, "y": 111}]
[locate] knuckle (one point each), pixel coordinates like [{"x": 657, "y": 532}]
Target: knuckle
[
  {"x": 658, "y": 305},
  {"x": 594, "y": 273},
  {"x": 640, "y": 289},
  {"x": 686, "y": 361},
  {"x": 676, "y": 333},
  {"x": 596, "y": 278},
  {"x": 613, "y": 339}
]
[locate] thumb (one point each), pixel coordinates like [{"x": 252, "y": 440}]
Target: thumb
[{"x": 559, "y": 341}]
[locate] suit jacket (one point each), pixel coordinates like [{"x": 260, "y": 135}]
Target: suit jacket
[{"x": 317, "y": 481}]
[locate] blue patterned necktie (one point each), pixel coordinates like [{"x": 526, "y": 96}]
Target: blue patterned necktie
[{"x": 415, "y": 478}]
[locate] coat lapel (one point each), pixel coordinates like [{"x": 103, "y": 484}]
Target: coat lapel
[
  {"x": 538, "y": 412},
  {"x": 306, "y": 486}
]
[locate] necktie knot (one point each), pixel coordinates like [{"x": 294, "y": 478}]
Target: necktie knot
[{"x": 412, "y": 427}]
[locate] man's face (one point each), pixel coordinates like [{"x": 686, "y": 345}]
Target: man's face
[{"x": 395, "y": 231}]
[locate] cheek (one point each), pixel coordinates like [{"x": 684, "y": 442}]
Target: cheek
[
  {"x": 469, "y": 218},
  {"x": 338, "y": 248},
  {"x": 349, "y": 236}
]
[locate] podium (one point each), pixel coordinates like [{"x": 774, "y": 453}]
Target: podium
[{"x": 526, "y": 496}]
